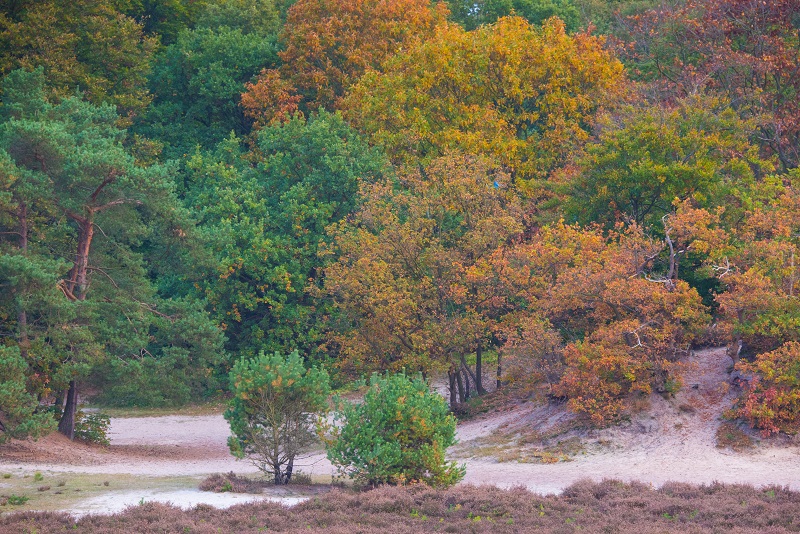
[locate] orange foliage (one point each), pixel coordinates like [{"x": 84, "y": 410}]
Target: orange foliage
[{"x": 270, "y": 99}]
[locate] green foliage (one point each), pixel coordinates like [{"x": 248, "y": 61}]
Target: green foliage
[
  {"x": 398, "y": 435},
  {"x": 275, "y": 402},
  {"x": 647, "y": 158},
  {"x": 264, "y": 225},
  {"x": 19, "y": 415},
  {"x": 472, "y": 14},
  {"x": 196, "y": 83},
  {"x": 92, "y": 428}
]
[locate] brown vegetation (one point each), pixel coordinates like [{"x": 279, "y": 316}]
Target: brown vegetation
[{"x": 608, "y": 506}]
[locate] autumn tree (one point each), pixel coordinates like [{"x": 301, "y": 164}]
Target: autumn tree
[
  {"x": 85, "y": 45},
  {"x": 401, "y": 299},
  {"x": 329, "y": 44},
  {"x": 744, "y": 50},
  {"x": 523, "y": 95}
]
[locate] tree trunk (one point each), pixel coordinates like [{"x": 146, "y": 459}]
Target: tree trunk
[
  {"x": 67, "y": 423},
  {"x": 77, "y": 286},
  {"x": 289, "y": 469},
  {"x": 452, "y": 377},
  {"x": 460, "y": 385},
  {"x": 499, "y": 371},
  {"x": 22, "y": 315},
  {"x": 467, "y": 388},
  {"x": 479, "y": 370}
]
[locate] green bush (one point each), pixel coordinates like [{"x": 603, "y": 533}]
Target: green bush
[
  {"x": 92, "y": 428},
  {"x": 398, "y": 435},
  {"x": 273, "y": 409}
]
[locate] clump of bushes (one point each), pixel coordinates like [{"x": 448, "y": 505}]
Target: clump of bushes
[
  {"x": 399, "y": 434},
  {"x": 92, "y": 428},
  {"x": 231, "y": 482},
  {"x": 772, "y": 400}
]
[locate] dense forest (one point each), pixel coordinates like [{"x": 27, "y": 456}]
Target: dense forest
[{"x": 564, "y": 195}]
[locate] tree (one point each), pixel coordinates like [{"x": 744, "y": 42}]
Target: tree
[
  {"x": 398, "y": 435},
  {"x": 78, "y": 186},
  {"x": 524, "y": 96},
  {"x": 646, "y": 158},
  {"x": 401, "y": 299},
  {"x": 265, "y": 223},
  {"x": 198, "y": 79},
  {"x": 86, "y": 45},
  {"x": 743, "y": 50},
  {"x": 20, "y": 416},
  {"x": 329, "y": 44},
  {"x": 273, "y": 409},
  {"x": 471, "y": 14}
]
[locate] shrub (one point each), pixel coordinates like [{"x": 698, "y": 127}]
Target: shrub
[
  {"x": 92, "y": 428},
  {"x": 275, "y": 399},
  {"x": 399, "y": 434},
  {"x": 772, "y": 400}
]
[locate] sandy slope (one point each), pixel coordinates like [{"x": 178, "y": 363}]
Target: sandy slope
[{"x": 664, "y": 445}]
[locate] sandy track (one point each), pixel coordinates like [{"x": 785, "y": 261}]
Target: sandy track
[{"x": 666, "y": 445}]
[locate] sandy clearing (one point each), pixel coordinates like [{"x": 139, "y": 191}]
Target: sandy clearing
[{"x": 664, "y": 444}]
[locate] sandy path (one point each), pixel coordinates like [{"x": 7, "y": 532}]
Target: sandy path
[{"x": 667, "y": 444}]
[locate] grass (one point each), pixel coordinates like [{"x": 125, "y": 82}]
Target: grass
[
  {"x": 61, "y": 491},
  {"x": 608, "y": 506},
  {"x": 208, "y": 408},
  {"x": 730, "y": 436}
]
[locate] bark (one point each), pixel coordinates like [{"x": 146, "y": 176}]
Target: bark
[
  {"x": 22, "y": 315},
  {"x": 67, "y": 423},
  {"x": 467, "y": 388},
  {"x": 289, "y": 469},
  {"x": 499, "y": 371},
  {"x": 452, "y": 377},
  {"x": 460, "y": 385},
  {"x": 479, "y": 370}
]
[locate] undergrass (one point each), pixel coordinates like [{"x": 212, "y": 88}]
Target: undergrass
[
  {"x": 62, "y": 491},
  {"x": 206, "y": 408},
  {"x": 608, "y": 506}
]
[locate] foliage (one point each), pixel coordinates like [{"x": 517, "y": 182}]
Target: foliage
[
  {"x": 646, "y": 158},
  {"x": 92, "y": 428},
  {"x": 523, "y": 95},
  {"x": 19, "y": 414},
  {"x": 265, "y": 223},
  {"x": 272, "y": 412},
  {"x": 196, "y": 83},
  {"x": 398, "y": 435},
  {"x": 471, "y": 14},
  {"x": 743, "y": 50},
  {"x": 399, "y": 288},
  {"x": 83, "y": 44},
  {"x": 772, "y": 399},
  {"x": 329, "y": 44},
  {"x": 81, "y": 215}
]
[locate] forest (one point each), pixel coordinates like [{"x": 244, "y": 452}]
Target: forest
[{"x": 566, "y": 196}]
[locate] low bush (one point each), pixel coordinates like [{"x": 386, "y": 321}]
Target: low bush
[
  {"x": 233, "y": 483},
  {"x": 772, "y": 400},
  {"x": 398, "y": 435},
  {"x": 92, "y": 428}
]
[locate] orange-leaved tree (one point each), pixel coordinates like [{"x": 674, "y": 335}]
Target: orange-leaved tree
[
  {"x": 329, "y": 44},
  {"x": 524, "y": 95},
  {"x": 399, "y": 287}
]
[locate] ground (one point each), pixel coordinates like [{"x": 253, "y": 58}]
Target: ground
[{"x": 537, "y": 446}]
